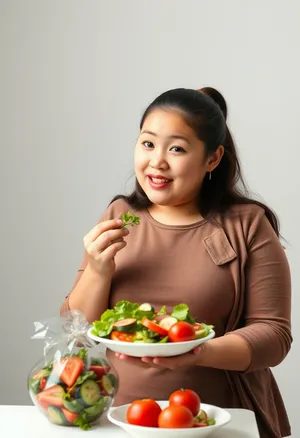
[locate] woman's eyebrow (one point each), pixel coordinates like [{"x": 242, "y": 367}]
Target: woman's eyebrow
[{"x": 173, "y": 136}]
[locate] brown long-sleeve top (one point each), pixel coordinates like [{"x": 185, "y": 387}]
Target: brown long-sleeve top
[{"x": 233, "y": 273}]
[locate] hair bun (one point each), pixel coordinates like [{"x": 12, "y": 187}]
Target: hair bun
[{"x": 217, "y": 97}]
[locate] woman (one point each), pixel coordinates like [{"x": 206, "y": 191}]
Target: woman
[{"x": 203, "y": 242}]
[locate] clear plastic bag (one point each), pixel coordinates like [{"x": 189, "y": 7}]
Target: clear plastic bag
[{"x": 73, "y": 384}]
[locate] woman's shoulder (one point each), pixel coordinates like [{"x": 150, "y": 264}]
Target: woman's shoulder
[
  {"x": 243, "y": 220},
  {"x": 245, "y": 212}
]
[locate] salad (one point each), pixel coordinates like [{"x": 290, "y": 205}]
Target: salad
[
  {"x": 133, "y": 322},
  {"x": 74, "y": 390}
]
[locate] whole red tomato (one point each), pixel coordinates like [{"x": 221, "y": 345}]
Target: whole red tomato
[
  {"x": 143, "y": 412},
  {"x": 186, "y": 397},
  {"x": 181, "y": 331},
  {"x": 177, "y": 417}
]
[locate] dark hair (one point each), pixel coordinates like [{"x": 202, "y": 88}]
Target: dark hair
[{"x": 205, "y": 110}]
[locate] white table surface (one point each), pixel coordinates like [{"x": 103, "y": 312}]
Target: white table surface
[{"x": 28, "y": 422}]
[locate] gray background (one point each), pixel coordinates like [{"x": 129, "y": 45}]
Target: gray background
[{"x": 75, "y": 77}]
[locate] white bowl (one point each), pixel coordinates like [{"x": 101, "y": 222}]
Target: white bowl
[
  {"x": 117, "y": 416},
  {"x": 139, "y": 349}
]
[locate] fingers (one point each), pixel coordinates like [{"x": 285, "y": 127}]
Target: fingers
[
  {"x": 197, "y": 350},
  {"x": 102, "y": 242},
  {"x": 145, "y": 362},
  {"x": 100, "y": 238},
  {"x": 100, "y": 228},
  {"x": 110, "y": 252}
]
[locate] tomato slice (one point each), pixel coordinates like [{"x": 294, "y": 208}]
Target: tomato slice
[
  {"x": 154, "y": 327},
  {"x": 52, "y": 396},
  {"x": 69, "y": 369},
  {"x": 100, "y": 370},
  {"x": 70, "y": 416},
  {"x": 121, "y": 336}
]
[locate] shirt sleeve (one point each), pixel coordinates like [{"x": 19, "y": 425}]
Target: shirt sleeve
[{"x": 267, "y": 306}]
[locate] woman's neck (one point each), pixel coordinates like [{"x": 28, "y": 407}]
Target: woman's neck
[{"x": 175, "y": 215}]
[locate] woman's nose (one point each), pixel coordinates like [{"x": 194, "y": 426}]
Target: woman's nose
[{"x": 158, "y": 161}]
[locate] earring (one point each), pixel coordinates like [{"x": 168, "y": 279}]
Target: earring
[{"x": 209, "y": 177}]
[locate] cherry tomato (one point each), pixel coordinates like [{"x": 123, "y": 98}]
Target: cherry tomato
[
  {"x": 177, "y": 417},
  {"x": 181, "y": 331},
  {"x": 186, "y": 397},
  {"x": 121, "y": 336},
  {"x": 154, "y": 327},
  {"x": 144, "y": 412}
]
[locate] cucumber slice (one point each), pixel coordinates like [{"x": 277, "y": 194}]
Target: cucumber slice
[
  {"x": 167, "y": 322},
  {"x": 201, "y": 333},
  {"x": 114, "y": 380},
  {"x": 125, "y": 325},
  {"x": 108, "y": 384},
  {"x": 146, "y": 307},
  {"x": 73, "y": 406},
  {"x": 89, "y": 393},
  {"x": 202, "y": 415},
  {"x": 56, "y": 416},
  {"x": 202, "y": 330}
]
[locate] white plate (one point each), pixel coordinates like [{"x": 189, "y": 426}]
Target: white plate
[
  {"x": 139, "y": 349},
  {"x": 118, "y": 417}
]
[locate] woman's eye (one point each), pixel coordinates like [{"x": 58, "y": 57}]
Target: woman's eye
[
  {"x": 147, "y": 144},
  {"x": 177, "y": 149}
]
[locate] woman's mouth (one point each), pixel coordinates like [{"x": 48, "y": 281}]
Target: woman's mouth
[{"x": 158, "y": 182}]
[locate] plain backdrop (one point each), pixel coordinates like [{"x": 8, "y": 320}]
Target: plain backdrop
[{"x": 75, "y": 77}]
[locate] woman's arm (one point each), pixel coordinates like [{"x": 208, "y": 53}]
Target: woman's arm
[
  {"x": 230, "y": 353},
  {"x": 266, "y": 338},
  {"x": 89, "y": 295}
]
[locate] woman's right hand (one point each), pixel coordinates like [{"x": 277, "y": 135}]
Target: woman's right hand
[{"x": 102, "y": 244}]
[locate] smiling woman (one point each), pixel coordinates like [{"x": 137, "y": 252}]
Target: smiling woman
[
  {"x": 170, "y": 165},
  {"x": 202, "y": 241}
]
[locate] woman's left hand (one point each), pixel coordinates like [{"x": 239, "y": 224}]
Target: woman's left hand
[{"x": 172, "y": 363}]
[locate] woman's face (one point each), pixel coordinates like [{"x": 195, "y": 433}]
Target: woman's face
[{"x": 170, "y": 161}]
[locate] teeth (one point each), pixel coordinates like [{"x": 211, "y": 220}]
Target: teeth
[{"x": 159, "y": 181}]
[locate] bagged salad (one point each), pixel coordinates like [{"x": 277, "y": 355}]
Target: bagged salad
[{"x": 73, "y": 384}]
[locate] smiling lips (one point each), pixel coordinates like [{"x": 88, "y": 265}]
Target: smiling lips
[{"x": 158, "y": 181}]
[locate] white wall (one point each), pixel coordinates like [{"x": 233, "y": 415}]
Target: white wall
[{"x": 75, "y": 77}]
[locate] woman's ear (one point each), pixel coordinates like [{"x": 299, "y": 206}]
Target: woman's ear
[{"x": 215, "y": 159}]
